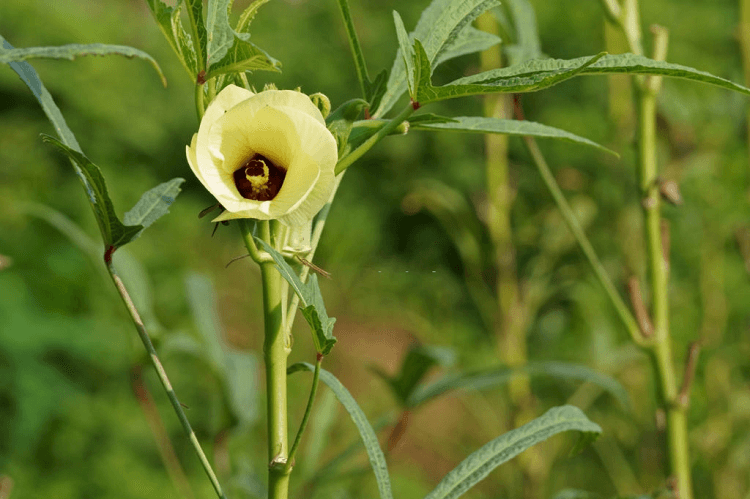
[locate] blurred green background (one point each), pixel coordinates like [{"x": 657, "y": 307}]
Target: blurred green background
[{"x": 70, "y": 425}]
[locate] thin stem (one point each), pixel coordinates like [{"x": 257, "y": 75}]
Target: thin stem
[
  {"x": 359, "y": 58},
  {"x": 276, "y": 349},
  {"x": 200, "y": 105},
  {"x": 570, "y": 219},
  {"x": 306, "y": 417},
  {"x": 353, "y": 156},
  {"x": 143, "y": 334}
]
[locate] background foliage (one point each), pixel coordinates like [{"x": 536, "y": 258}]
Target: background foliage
[{"x": 69, "y": 423}]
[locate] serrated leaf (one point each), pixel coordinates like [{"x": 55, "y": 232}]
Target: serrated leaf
[
  {"x": 478, "y": 465},
  {"x": 220, "y": 34},
  {"x": 71, "y": 51},
  {"x": 114, "y": 233},
  {"x": 311, "y": 300},
  {"x": 170, "y": 24},
  {"x": 375, "y": 89},
  {"x": 475, "y": 124},
  {"x": 153, "y": 204},
  {"x": 247, "y": 16},
  {"x": 491, "y": 378},
  {"x": 470, "y": 40},
  {"x": 438, "y": 27},
  {"x": 527, "y": 77},
  {"x": 195, "y": 13},
  {"x": 29, "y": 76},
  {"x": 407, "y": 54},
  {"x": 244, "y": 56},
  {"x": 369, "y": 438}
]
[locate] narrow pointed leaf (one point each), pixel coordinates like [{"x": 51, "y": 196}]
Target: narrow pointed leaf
[
  {"x": 505, "y": 447},
  {"x": 30, "y": 77},
  {"x": 244, "y": 56},
  {"x": 359, "y": 57},
  {"x": 470, "y": 40},
  {"x": 407, "y": 53},
  {"x": 492, "y": 378},
  {"x": 476, "y": 124},
  {"x": 70, "y": 52},
  {"x": 528, "y": 77},
  {"x": 114, "y": 233},
  {"x": 153, "y": 204},
  {"x": 438, "y": 27},
  {"x": 170, "y": 24},
  {"x": 311, "y": 300},
  {"x": 374, "y": 452},
  {"x": 375, "y": 89},
  {"x": 247, "y": 16}
]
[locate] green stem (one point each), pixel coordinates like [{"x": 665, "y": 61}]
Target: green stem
[
  {"x": 570, "y": 219},
  {"x": 200, "y": 104},
  {"x": 306, "y": 417},
  {"x": 353, "y": 156},
  {"x": 143, "y": 334},
  {"x": 276, "y": 349},
  {"x": 359, "y": 58}
]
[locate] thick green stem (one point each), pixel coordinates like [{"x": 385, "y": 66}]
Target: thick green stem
[
  {"x": 143, "y": 334},
  {"x": 276, "y": 349}
]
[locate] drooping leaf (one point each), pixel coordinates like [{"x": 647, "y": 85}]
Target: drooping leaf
[
  {"x": 478, "y": 465},
  {"x": 475, "y": 124},
  {"x": 114, "y": 232},
  {"x": 311, "y": 300},
  {"x": 438, "y": 27},
  {"x": 491, "y": 378},
  {"x": 29, "y": 76},
  {"x": 369, "y": 438},
  {"x": 153, "y": 204},
  {"x": 470, "y": 40},
  {"x": 70, "y": 52}
]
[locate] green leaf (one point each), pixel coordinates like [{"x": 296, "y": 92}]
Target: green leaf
[
  {"x": 30, "y": 77},
  {"x": 219, "y": 33},
  {"x": 526, "y": 45},
  {"x": 244, "y": 56},
  {"x": 170, "y": 24},
  {"x": 407, "y": 54},
  {"x": 241, "y": 377},
  {"x": 505, "y": 447},
  {"x": 417, "y": 363},
  {"x": 375, "y": 454},
  {"x": 429, "y": 119},
  {"x": 311, "y": 300},
  {"x": 153, "y": 204},
  {"x": 114, "y": 233},
  {"x": 482, "y": 380},
  {"x": 198, "y": 31},
  {"x": 508, "y": 127},
  {"x": 202, "y": 303},
  {"x": 340, "y": 122},
  {"x": 375, "y": 89},
  {"x": 438, "y": 28},
  {"x": 70, "y": 52},
  {"x": 527, "y": 77},
  {"x": 243, "y": 25},
  {"x": 470, "y": 40}
]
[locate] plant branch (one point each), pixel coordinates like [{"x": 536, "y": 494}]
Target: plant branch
[
  {"x": 570, "y": 219},
  {"x": 359, "y": 58},
  {"x": 146, "y": 340},
  {"x": 306, "y": 417}
]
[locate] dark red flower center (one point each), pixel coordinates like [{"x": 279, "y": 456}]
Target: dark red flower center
[{"x": 259, "y": 179}]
